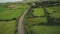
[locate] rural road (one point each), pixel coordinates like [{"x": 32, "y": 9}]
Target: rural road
[{"x": 20, "y": 23}]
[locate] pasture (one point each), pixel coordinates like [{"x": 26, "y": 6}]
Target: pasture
[
  {"x": 41, "y": 20},
  {"x": 55, "y": 11},
  {"x": 8, "y": 27},
  {"x": 38, "y": 12},
  {"x": 11, "y": 12},
  {"x": 46, "y": 29}
]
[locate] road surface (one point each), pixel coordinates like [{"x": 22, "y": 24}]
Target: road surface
[{"x": 20, "y": 23}]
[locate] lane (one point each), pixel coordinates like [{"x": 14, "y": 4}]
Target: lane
[{"x": 20, "y": 22}]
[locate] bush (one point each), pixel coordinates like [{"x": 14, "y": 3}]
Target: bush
[{"x": 13, "y": 19}]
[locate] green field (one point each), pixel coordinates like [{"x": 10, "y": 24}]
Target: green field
[
  {"x": 46, "y": 29},
  {"x": 38, "y": 12},
  {"x": 9, "y": 13},
  {"x": 37, "y": 20},
  {"x": 7, "y": 27},
  {"x": 55, "y": 14}
]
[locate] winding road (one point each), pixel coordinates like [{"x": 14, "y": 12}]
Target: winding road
[{"x": 20, "y": 23}]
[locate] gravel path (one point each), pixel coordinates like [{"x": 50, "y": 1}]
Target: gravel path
[{"x": 20, "y": 23}]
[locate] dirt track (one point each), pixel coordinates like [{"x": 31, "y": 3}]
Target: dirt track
[{"x": 20, "y": 23}]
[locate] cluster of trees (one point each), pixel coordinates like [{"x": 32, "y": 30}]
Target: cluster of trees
[
  {"x": 44, "y": 3},
  {"x": 54, "y": 21}
]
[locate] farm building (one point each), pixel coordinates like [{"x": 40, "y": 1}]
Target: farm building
[{"x": 13, "y": 6}]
